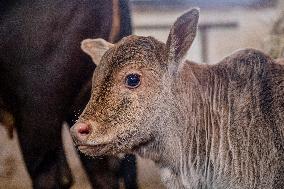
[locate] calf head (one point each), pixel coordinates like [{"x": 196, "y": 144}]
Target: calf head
[{"x": 131, "y": 89}]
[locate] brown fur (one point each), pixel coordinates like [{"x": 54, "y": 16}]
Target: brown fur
[{"x": 206, "y": 126}]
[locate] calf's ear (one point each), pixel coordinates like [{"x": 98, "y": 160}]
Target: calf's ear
[
  {"x": 95, "y": 48},
  {"x": 181, "y": 37}
]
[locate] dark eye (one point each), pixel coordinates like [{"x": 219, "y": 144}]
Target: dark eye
[{"x": 132, "y": 80}]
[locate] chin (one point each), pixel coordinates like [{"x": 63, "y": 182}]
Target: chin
[
  {"x": 103, "y": 149},
  {"x": 96, "y": 150}
]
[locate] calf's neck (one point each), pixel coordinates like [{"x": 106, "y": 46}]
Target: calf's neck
[{"x": 206, "y": 126}]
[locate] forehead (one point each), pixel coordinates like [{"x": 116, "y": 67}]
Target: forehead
[{"x": 134, "y": 49}]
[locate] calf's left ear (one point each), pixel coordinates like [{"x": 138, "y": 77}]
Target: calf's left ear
[
  {"x": 95, "y": 48},
  {"x": 181, "y": 37}
]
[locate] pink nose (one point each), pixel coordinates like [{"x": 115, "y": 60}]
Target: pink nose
[{"x": 80, "y": 131}]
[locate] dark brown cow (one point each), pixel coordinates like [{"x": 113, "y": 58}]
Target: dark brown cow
[{"x": 44, "y": 80}]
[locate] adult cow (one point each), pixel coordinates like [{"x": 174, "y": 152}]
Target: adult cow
[{"x": 44, "y": 79}]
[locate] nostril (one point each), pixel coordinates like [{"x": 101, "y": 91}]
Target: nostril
[{"x": 84, "y": 129}]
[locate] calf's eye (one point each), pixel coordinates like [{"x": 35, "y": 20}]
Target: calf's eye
[{"x": 132, "y": 80}]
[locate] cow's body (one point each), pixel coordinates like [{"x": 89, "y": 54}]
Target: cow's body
[
  {"x": 44, "y": 78},
  {"x": 206, "y": 126}
]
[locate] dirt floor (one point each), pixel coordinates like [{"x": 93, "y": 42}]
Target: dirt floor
[{"x": 13, "y": 174}]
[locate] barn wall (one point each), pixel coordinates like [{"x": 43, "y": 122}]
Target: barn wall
[{"x": 253, "y": 25}]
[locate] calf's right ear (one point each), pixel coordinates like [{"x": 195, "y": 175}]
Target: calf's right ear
[
  {"x": 95, "y": 48},
  {"x": 181, "y": 37}
]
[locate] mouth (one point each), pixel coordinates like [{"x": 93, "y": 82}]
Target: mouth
[{"x": 94, "y": 150}]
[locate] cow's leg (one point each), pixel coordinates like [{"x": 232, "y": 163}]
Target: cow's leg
[
  {"x": 102, "y": 171},
  {"x": 39, "y": 133},
  {"x": 128, "y": 171}
]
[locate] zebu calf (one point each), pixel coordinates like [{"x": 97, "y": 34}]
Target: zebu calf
[{"x": 206, "y": 126}]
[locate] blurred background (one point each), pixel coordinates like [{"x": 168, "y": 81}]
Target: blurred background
[{"x": 225, "y": 26}]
